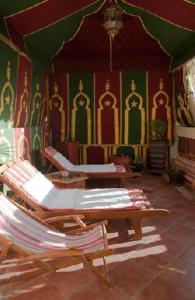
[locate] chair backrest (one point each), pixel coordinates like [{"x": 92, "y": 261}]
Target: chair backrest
[
  {"x": 35, "y": 237},
  {"x": 60, "y": 161},
  {"x": 15, "y": 174}
]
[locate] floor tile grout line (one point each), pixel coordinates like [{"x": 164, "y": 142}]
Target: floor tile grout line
[{"x": 160, "y": 272}]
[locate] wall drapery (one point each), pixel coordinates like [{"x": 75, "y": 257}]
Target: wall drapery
[
  {"x": 183, "y": 113},
  {"x": 23, "y": 92},
  {"x": 110, "y": 110}
]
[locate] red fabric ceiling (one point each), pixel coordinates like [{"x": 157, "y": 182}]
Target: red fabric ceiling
[
  {"x": 89, "y": 50},
  {"x": 45, "y": 14},
  {"x": 132, "y": 48}
]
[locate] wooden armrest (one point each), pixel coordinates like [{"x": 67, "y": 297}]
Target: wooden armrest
[
  {"x": 87, "y": 227},
  {"x": 63, "y": 218}
]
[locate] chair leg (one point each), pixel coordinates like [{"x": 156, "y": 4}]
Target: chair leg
[
  {"x": 96, "y": 272},
  {"x": 105, "y": 268},
  {"x": 137, "y": 228}
]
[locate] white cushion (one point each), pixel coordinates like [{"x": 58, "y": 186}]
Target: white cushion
[
  {"x": 95, "y": 168},
  {"x": 64, "y": 161},
  {"x": 84, "y": 168}
]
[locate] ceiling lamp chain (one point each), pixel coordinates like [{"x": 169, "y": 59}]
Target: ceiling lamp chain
[{"x": 112, "y": 23}]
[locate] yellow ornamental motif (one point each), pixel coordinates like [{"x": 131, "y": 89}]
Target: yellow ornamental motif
[
  {"x": 36, "y": 106},
  {"x": 57, "y": 102},
  {"x": 164, "y": 103},
  {"x": 7, "y": 101},
  {"x": 36, "y": 141},
  {"x": 107, "y": 93},
  {"x": 129, "y": 104},
  {"x": 23, "y": 103},
  {"x": 23, "y": 147},
  {"x": 84, "y": 101}
]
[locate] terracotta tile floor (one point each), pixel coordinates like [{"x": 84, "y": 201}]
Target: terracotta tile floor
[{"x": 160, "y": 266}]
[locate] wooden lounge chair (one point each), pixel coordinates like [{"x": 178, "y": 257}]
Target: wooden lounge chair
[
  {"x": 47, "y": 200},
  {"x": 98, "y": 171},
  {"x": 46, "y": 248}
]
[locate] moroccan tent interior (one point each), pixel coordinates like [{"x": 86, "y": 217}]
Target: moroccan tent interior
[{"x": 96, "y": 72}]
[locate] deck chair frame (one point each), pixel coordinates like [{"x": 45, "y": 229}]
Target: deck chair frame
[
  {"x": 42, "y": 261},
  {"x": 122, "y": 177},
  {"x": 136, "y": 215}
]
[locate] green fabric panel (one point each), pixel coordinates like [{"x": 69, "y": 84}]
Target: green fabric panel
[
  {"x": 11, "y": 7},
  {"x": 83, "y": 119},
  {"x": 8, "y": 84},
  {"x": 132, "y": 130},
  {"x": 7, "y": 151},
  {"x": 172, "y": 38},
  {"x": 36, "y": 142},
  {"x": 3, "y": 28},
  {"x": 36, "y": 137},
  {"x": 184, "y": 55},
  {"x": 62, "y": 31},
  {"x": 36, "y": 97}
]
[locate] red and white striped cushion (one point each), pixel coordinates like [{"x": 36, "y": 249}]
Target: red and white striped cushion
[
  {"x": 20, "y": 173},
  {"x": 120, "y": 169},
  {"x": 50, "y": 150},
  {"x": 37, "y": 238}
]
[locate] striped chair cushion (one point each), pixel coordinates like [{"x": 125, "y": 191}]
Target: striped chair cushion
[
  {"x": 37, "y": 238},
  {"x": 50, "y": 150},
  {"x": 20, "y": 173}
]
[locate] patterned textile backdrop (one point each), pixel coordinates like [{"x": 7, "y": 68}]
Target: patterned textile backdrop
[
  {"x": 107, "y": 111},
  {"x": 183, "y": 113},
  {"x": 23, "y": 109}
]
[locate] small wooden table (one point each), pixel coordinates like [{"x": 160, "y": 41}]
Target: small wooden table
[{"x": 65, "y": 179}]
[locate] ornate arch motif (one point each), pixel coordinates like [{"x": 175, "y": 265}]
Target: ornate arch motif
[
  {"x": 36, "y": 106},
  {"x": 23, "y": 109},
  {"x": 36, "y": 145},
  {"x": 56, "y": 103},
  {"x": 109, "y": 100},
  {"x": 130, "y": 104},
  {"x": 36, "y": 141},
  {"x": 81, "y": 100},
  {"x": 7, "y": 101},
  {"x": 161, "y": 99},
  {"x": 23, "y": 144}
]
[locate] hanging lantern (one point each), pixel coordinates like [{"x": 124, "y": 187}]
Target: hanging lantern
[
  {"x": 113, "y": 19},
  {"x": 112, "y": 23}
]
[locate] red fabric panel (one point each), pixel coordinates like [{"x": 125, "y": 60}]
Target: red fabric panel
[
  {"x": 23, "y": 97},
  {"x": 177, "y": 11},
  {"x": 107, "y": 113},
  {"x": 95, "y": 155},
  {"x": 42, "y": 16}
]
